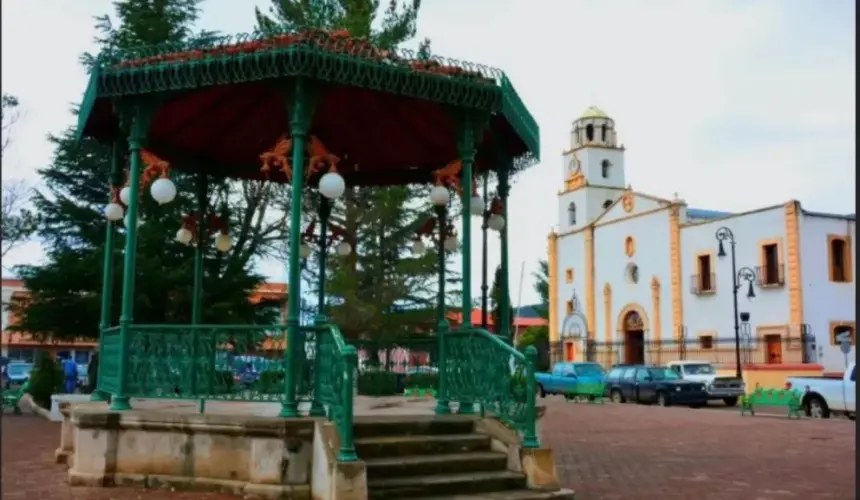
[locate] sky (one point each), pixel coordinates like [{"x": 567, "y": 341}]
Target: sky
[{"x": 731, "y": 104}]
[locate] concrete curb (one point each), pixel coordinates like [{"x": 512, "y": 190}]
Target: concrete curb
[{"x": 26, "y": 399}]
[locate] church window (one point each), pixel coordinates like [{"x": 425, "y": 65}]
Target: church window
[
  {"x": 571, "y": 213},
  {"x": 839, "y": 256},
  {"x": 706, "y": 341},
  {"x": 568, "y": 307},
  {"x": 840, "y": 330},
  {"x": 604, "y": 136},
  {"x": 705, "y": 278},
  {"x": 771, "y": 272},
  {"x": 604, "y": 168},
  {"x": 568, "y": 275},
  {"x": 589, "y": 132},
  {"x": 607, "y": 204}
]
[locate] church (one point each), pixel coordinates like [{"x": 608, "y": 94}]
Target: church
[{"x": 635, "y": 278}]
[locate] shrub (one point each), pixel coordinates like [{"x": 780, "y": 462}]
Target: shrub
[
  {"x": 271, "y": 382},
  {"x": 422, "y": 381},
  {"x": 379, "y": 384},
  {"x": 224, "y": 381},
  {"x": 46, "y": 379}
]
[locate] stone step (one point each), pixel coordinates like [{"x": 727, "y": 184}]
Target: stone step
[
  {"x": 445, "y": 484},
  {"x": 406, "y": 425},
  {"x": 449, "y": 463},
  {"x": 394, "y": 446},
  {"x": 563, "y": 494}
]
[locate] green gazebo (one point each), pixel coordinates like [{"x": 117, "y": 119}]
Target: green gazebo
[{"x": 319, "y": 110}]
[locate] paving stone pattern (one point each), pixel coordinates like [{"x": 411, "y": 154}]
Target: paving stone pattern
[{"x": 604, "y": 452}]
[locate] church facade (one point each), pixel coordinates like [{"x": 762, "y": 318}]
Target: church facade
[{"x": 634, "y": 276}]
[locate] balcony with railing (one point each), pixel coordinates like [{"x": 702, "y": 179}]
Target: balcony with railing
[
  {"x": 703, "y": 284},
  {"x": 770, "y": 275}
]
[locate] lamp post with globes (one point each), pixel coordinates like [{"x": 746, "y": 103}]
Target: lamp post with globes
[{"x": 738, "y": 276}]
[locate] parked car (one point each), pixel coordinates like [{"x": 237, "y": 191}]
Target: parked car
[
  {"x": 729, "y": 389},
  {"x": 823, "y": 397},
  {"x": 653, "y": 384},
  {"x": 564, "y": 377},
  {"x": 17, "y": 373}
]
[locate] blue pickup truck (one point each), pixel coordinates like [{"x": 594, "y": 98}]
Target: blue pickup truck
[{"x": 565, "y": 378}]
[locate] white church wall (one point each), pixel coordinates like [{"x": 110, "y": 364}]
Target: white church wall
[
  {"x": 650, "y": 236},
  {"x": 713, "y": 313},
  {"x": 571, "y": 256},
  {"x": 825, "y": 301}
]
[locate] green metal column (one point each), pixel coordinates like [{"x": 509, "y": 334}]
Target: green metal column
[
  {"x": 317, "y": 409},
  {"x": 139, "y": 129},
  {"x": 300, "y": 109},
  {"x": 466, "y": 149},
  {"x": 443, "y": 407},
  {"x": 484, "y": 271},
  {"x": 197, "y": 293},
  {"x": 505, "y": 292},
  {"x": 107, "y": 273}
]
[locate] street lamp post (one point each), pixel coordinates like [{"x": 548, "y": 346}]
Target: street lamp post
[{"x": 738, "y": 276}]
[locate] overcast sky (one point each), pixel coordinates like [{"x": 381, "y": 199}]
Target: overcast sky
[{"x": 731, "y": 104}]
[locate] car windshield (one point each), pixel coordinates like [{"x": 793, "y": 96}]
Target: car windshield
[
  {"x": 663, "y": 374},
  {"x": 18, "y": 370},
  {"x": 588, "y": 369},
  {"x": 703, "y": 369}
]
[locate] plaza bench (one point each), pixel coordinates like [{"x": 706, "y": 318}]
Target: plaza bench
[
  {"x": 12, "y": 397},
  {"x": 419, "y": 392},
  {"x": 593, "y": 392},
  {"x": 780, "y": 398}
]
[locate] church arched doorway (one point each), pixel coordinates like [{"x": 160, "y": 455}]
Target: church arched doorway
[{"x": 634, "y": 338}]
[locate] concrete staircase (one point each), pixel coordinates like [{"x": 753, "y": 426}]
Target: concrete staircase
[{"x": 438, "y": 458}]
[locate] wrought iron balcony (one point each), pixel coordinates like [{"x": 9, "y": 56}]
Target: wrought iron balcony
[
  {"x": 702, "y": 284},
  {"x": 772, "y": 275}
]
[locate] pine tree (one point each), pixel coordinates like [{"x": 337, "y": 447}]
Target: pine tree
[
  {"x": 380, "y": 290},
  {"x": 65, "y": 291},
  {"x": 496, "y": 300}
]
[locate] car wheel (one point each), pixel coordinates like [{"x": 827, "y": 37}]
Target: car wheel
[
  {"x": 540, "y": 391},
  {"x": 662, "y": 399},
  {"x": 616, "y": 396},
  {"x": 730, "y": 401},
  {"x": 817, "y": 408}
]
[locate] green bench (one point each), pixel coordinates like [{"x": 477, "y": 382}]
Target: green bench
[
  {"x": 780, "y": 398},
  {"x": 593, "y": 392},
  {"x": 12, "y": 397},
  {"x": 419, "y": 392}
]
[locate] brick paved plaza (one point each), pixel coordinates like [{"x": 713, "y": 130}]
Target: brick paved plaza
[{"x": 603, "y": 451}]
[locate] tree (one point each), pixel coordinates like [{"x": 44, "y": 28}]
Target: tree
[
  {"x": 379, "y": 289},
  {"x": 541, "y": 286},
  {"x": 65, "y": 291},
  {"x": 538, "y": 335},
  {"x": 10, "y": 116},
  {"x": 496, "y": 299},
  {"x": 18, "y": 221}
]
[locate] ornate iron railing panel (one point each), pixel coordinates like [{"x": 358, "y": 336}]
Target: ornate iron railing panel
[
  {"x": 109, "y": 360},
  {"x": 337, "y": 365},
  {"x": 480, "y": 368}
]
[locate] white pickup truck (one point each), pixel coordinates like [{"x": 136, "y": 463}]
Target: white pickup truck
[
  {"x": 823, "y": 397},
  {"x": 729, "y": 389}
]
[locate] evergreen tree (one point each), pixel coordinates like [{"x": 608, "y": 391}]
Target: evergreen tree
[
  {"x": 541, "y": 286},
  {"x": 65, "y": 291},
  {"x": 538, "y": 335},
  {"x": 496, "y": 300},
  {"x": 380, "y": 290}
]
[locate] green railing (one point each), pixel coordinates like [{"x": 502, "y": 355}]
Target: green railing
[
  {"x": 337, "y": 364},
  {"x": 481, "y": 369},
  {"x": 389, "y": 367}
]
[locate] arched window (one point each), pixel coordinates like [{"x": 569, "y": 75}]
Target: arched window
[
  {"x": 571, "y": 213},
  {"x": 589, "y": 132},
  {"x": 604, "y": 133},
  {"x": 607, "y": 204},
  {"x": 604, "y": 168}
]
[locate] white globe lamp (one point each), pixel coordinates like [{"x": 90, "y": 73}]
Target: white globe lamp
[
  {"x": 440, "y": 196},
  {"x": 305, "y": 250},
  {"x": 332, "y": 185},
  {"x": 125, "y": 195},
  {"x": 184, "y": 236},
  {"x": 125, "y": 221},
  {"x": 344, "y": 248},
  {"x": 418, "y": 247},
  {"x": 451, "y": 243},
  {"x": 496, "y": 222},
  {"x": 476, "y": 206},
  {"x": 223, "y": 242},
  {"x": 113, "y": 211},
  {"x": 163, "y": 191}
]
